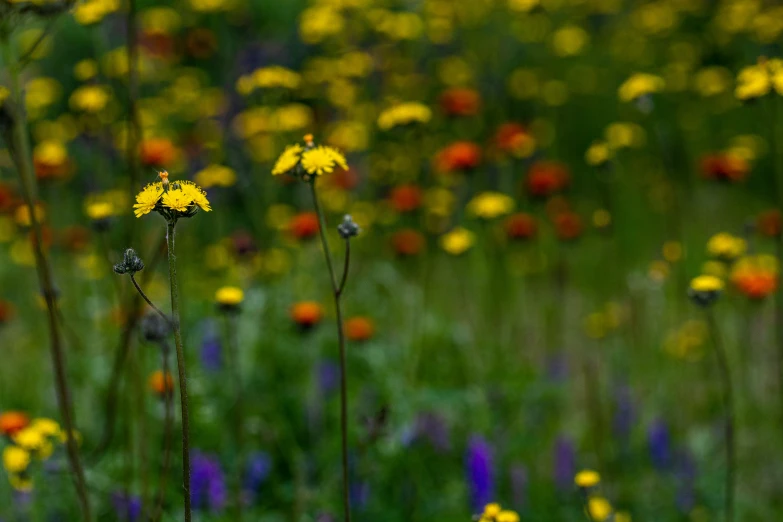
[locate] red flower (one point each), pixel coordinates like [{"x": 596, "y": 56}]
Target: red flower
[
  {"x": 724, "y": 167},
  {"x": 157, "y": 152},
  {"x": 521, "y": 226},
  {"x": 460, "y": 102},
  {"x": 304, "y": 225},
  {"x": 511, "y": 137},
  {"x": 546, "y": 178},
  {"x": 405, "y": 198},
  {"x": 307, "y": 314},
  {"x": 359, "y": 328},
  {"x": 459, "y": 156},
  {"x": 568, "y": 225},
  {"x": 12, "y": 422},
  {"x": 407, "y": 242},
  {"x": 755, "y": 285}
]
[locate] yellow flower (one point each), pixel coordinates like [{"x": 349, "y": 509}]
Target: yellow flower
[
  {"x": 85, "y": 69},
  {"x": 195, "y": 193},
  {"x": 179, "y": 200},
  {"x": 599, "y": 508},
  {"x": 89, "y": 98},
  {"x": 490, "y": 205},
  {"x": 569, "y": 40},
  {"x": 93, "y": 11},
  {"x": 491, "y": 510},
  {"x": 230, "y": 296},
  {"x": 287, "y": 160},
  {"x": 15, "y": 459},
  {"x": 99, "y": 210},
  {"x": 30, "y": 439},
  {"x": 598, "y": 153},
  {"x": 638, "y": 85},
  {"x": 587, "y": 478},
  {"x": 276, "y": 76},
  {"x": 322, "y": 160},
  {"x": 47, "y": 427},
  {"x": 457, "y": 241},
  {"x": 726, "y": 247},
  {"x": 758, "y": 80},
  {"x": 404, "y": 114},
  {"x": 216, "y": 176},
  {"x": 507, "y": 516},
  {"x": 147, "y": 199},
  {"x": 706, "y": 283},
  {"x": 20, "y": 483}
]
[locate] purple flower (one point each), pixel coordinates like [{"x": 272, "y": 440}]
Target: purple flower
[
  {"x": 360, "y": 494},
  {"x": 126, "y": 506},
  {"x": 435, "y": 429},
  {"x": 564, "y": 465},
  {"x": 259, "y": 466},
  {"x": 328, "y": 376},
  {"x": 207, "y": 483},
  {"x": 686, "y": 479},
  {"x": 211, "y": 352},
  {"x": 660, "y": 444},
  {"x": 623, "y": 414},
  {"x": 519, "y": 481},
  {"x": 479, "y": 473}
]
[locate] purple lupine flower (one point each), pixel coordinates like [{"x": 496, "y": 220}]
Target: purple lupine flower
[
  {"x": 211, "y": 351},
  {"x": 126, "y": 506},
  {"x": 328, "y": 377},
  {"x": 360, "y": 494},
  {"x": 564, "y": 463},
  {"x": 519, "y": 481},
  {"x": 623, "y": 415},
  {"x": 686, "y": 480},
  {"x": 259, "y": 465},
  {"x": 207, "y": 483},
  {"x": 435, "y": 429},
  {"x": 480, "y": 473},
  {"x": 659, "y": 441}
]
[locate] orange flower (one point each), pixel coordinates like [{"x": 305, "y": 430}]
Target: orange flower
[
  {"x": 568, "y": 225},
  {"x": 769, "y": 223},
  {"x": 460, "y": 101},
  {"x": 459, "y": 156},
  {"x": 13, "y": 421},
  {"x": 755, "y": 285},
  {"x": 407, "y": 242},
  {"x": 723, "y": 166},
  {"x": 546, "y": 178},
  {"x": 304, "y": 225},
  {"x": 157, "y": 44},
  {"x": 157, "y": 152},
  {"x": 512, "y": 137},
  {"x": 161, "y": 384},
  {"x": 521, "y": 226},
  {"x": 359, "y": 328},
  {"x": 405, "y": 198},
  {"x": 307, "y": 314},
  {"x": 6, "y": 311}
]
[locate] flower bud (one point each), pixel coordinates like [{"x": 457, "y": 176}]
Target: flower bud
[
  {"x": 348, "y": 228},
  {"x": 131, "y": 263}
]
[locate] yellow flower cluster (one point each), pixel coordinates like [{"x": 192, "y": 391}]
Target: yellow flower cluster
[
  {"x": 314, "y": 160},
  {"x": 490, "y": 205},
  {"x": 457, "y": 241},
  {"x": 726, "y": 247},
  {"x": 93, "y": 11},
  {"x": 36, "y": 440},
  {"x": 180, "y": 197},
  {"x": 597, "y": 507},
  {"x": 229, "y": 296},
  {"x": 270, "y": 77},
  {"x": 495, "y": 513},
  {"x": 216, "y": 176},
  {"x": 759, "y": 80},
  {"x": 638, "y": 85},
  {"x": 404, "y": 114}
]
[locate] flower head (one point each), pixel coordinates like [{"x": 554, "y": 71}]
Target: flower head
[
  {"x": 490, "y": 205},
  {"x": 229, "y": 298},
  {"x": 705, "y": 289},
  {"x": 161, "y": 384},
  {"x": 322, "y": 160},
  {"x": 307, "y": 314},
  {"x": 12, "y": 421},
  {"x": 760, "y": 79},
  {"x": 288, "y": 160},
  {"x": 171, "y": 199},
  {"x": 404, "y": 114},
  {"x": 15, "y": 459},
  {"x": 587, "y": 478},
  {"x": 457, "y": 241},
  {"x": 309, "y": 161},
  {"x": 726, "y": 247},
  {"x": 755, "y": 276},
  {"x": 638, "y": 85}
]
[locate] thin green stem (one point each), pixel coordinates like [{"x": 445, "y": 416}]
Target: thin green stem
[
  {"x": 20, "y": 147},
  {"x": 346, "y": 265},
  {"x": 341, "y": 341},
  {"x": 728, "y": 410},
  {"x": 183, "y": 385},
  {"x": 149, "y": 302}
]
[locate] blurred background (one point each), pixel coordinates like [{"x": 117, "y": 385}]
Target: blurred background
[{"x": 537, "y": 183}]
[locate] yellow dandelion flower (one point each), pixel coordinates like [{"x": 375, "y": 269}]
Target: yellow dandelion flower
[
  {"x": 507, "y": 516},
  {"x": 726, "y": 246},
  {"x": 598, "y": 153},
  {"x": 599, "y": 508},
  {"x": 196, "y": 195},
  {"x": 706, "y": 283},
  {"x": 404, "y": 114},
  {"x": 47, "y": 427},
  {"x": 15, "y": 459},
  {"x": 760, "y": 79},
  {"x": 147, "y": 199},
  {"x": 638, "y": 85},
  {"x": 457, "y": 241},
  {"x": 98, "y": 210},
  {"x": 587, "y": 478},
  {"x": 490, "y": 205},
  {"x": 491, "y": 510},
  {"x": 29, "y": 438},
  {"x": 229, "y": 296},
  {"x": 322, "y": 160},
  {"x": 288, "y": 159},
  {"x": 178, "y": 199}
]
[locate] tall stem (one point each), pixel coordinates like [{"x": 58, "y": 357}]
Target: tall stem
[
  {"x": 728, "y": 407},
  {"x": 341, "y": 341},
  {"x": 183, "y": 386},
  {"x": 19, "y": 144}
]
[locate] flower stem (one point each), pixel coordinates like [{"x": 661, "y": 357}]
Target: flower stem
[
  {"x": 183, "y": 386},
  {"x": 728, "y": 407},
  {"x": 148, "y": 301},
  {"x": 341, "y": 341},
  {"x": 20, "y": 147}
]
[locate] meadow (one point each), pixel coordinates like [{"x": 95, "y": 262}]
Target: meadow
[{"x": 491, "y": 260}]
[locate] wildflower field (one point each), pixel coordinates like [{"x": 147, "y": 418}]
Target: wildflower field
[{"x": 391, "y": 260}]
